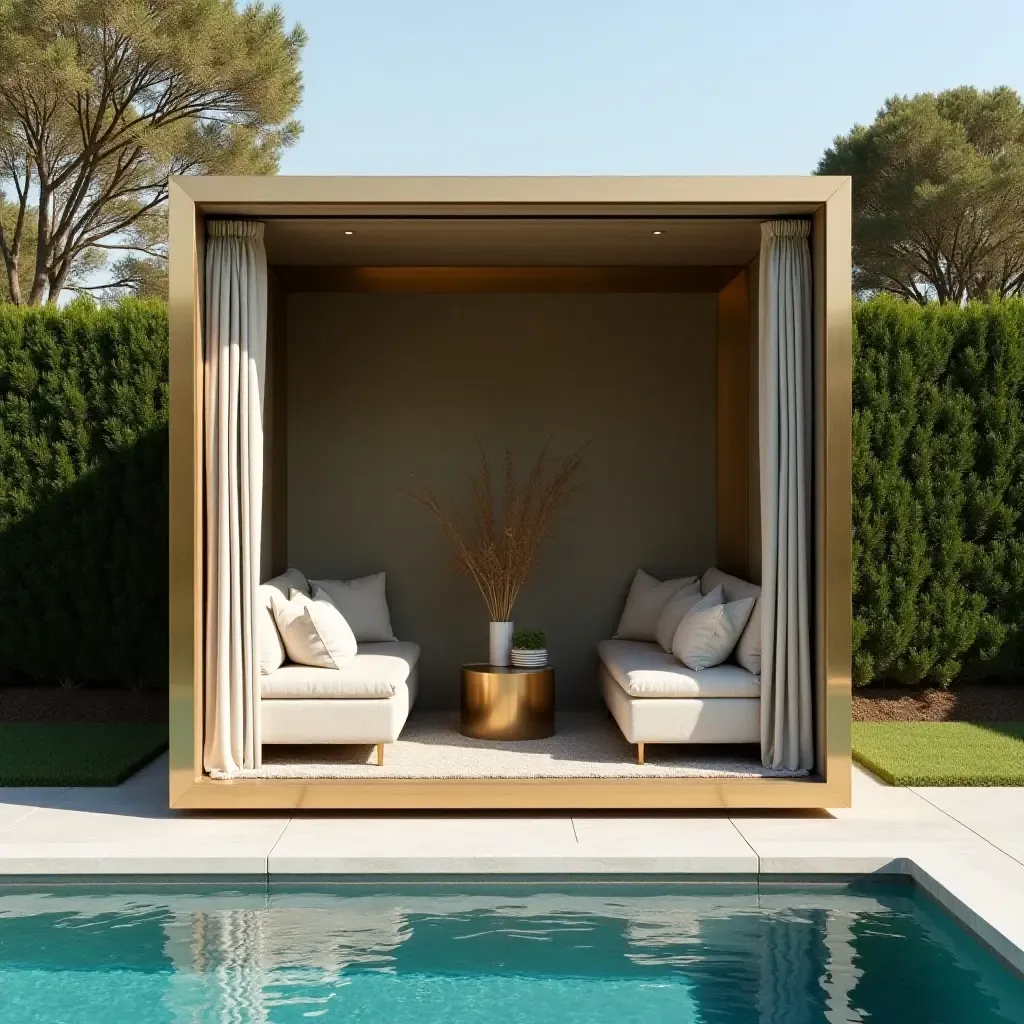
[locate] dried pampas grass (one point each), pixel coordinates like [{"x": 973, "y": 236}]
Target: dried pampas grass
[{"x": 497, "y": 547}]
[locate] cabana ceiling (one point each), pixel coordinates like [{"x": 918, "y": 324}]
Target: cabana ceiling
[{"x": 519, "y": 241}]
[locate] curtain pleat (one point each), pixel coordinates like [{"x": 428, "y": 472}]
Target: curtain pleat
[
  {"x": 787, "y": 734},
  {"x": 235, "y": 364}
]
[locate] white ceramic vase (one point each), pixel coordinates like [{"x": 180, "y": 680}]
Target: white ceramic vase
[{"x": 501, "y": 644}]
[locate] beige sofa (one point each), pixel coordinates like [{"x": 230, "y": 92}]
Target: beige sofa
[
  {"x": 366, "y": 701},
  {"x": 654, "y": 698}
]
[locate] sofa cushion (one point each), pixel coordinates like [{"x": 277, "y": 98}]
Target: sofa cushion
[
  {"x": 377, "y": 671},
  {"x": 314, "y": 632},
  {"x": 645, "y": 602},
  {"x": 708, "y": 632},
  {"x": 271, "y": 646},
  {"x": 722, "y": 720},
  {"x": 673, "y": 613},
  {"x": 645, "y": 670},
  {"x": 748, "y": 648},
  {"x": 364, "y": 604}
]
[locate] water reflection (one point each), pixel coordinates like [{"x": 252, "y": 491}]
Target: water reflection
[{"x": 465, "y": 953}]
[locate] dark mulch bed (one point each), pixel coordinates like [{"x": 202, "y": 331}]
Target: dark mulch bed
[
  {"x": 57, "y": 704},
  {"x": 968, "y": 702}
]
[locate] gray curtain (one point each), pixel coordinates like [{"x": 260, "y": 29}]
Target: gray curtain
[
  {"x": 232, "y": 948},
  {"x": 234, "y": 364},
  {"x": 787, "y": 733},
  {"x": 791, "y": 957}
]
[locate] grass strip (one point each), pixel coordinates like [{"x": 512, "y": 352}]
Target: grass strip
[
  {"x": 941, "y": 753},
  {"x": 76, "y": 754}
]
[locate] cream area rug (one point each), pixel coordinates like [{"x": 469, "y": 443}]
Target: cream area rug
[{"x": 588, "y": 746}]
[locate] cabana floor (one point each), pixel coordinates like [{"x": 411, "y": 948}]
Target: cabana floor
[{"x": 586, "y": 745}]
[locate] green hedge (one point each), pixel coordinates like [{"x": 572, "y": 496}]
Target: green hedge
[
  {"x": 83, "y": 493},
  {"x": 938, "y": 483}
]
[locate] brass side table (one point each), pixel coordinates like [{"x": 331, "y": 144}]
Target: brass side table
[{"x": 508, "y": 703}]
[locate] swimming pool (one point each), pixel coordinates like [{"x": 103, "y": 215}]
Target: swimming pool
[{"x": 465, "y": 952}]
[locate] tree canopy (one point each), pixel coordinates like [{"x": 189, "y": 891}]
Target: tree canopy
[
  {"x": 102, "y": 100},
  {"x": 938, "y": 195}
]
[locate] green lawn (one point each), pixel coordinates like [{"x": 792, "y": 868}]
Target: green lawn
[
  {"x": 83, "y": 754},
  {"x": 941, "y": 753}
]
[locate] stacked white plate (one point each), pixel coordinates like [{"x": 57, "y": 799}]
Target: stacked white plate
[{"x": 522, "y": 658}]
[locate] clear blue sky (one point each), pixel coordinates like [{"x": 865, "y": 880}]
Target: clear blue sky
[{"x": 624, "y": 86}]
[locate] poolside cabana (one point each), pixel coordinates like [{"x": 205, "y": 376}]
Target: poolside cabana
[{"x": 333, "y": 337}]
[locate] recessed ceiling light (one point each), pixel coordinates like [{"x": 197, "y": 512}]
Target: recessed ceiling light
[
  {"x": 349, "y": 232},
  {"x": 657, "y": 232}
]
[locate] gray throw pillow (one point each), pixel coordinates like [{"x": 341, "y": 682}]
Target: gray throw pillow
[
  {"x": 748, "y": 647},
  {"x": 709, "y": 631},
  {"x": 647, "y": 597},
  {"x": 672, "y": 614},
  {"x": 364, "y": 604}
]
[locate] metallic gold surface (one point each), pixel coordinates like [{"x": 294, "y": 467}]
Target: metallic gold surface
[
  {"x": 836, "y": 562},
  {"x": 484, "y": 794},
  {"x": 826, "y": 199},
  {"x": 185, "y": 482},
  {"x": 767, "y": 195},
  {"x": 507, "y": 703}
]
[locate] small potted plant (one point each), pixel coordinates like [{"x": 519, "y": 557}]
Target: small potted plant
[{"x": 529, "y": 648}]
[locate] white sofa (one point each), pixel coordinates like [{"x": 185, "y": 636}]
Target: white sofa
[
  {"x": 654, "y": 698},
  {"x": 366, "y": 701}
]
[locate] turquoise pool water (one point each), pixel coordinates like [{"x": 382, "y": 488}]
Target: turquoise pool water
[{"x": 468, "y": 953}]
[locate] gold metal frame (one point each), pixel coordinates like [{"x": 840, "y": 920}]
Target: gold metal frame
[{"x": 826, "y": 200}]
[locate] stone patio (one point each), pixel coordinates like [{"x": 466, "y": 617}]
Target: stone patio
[{"x": 964, "y": 846}]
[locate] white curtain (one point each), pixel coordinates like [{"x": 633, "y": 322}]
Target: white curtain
[
  {"x": 235, "y": 364},
  {"x": 842, "y": 972},
  {"x": 787, "y": 734},
  {"x": 231, "y": 946}
]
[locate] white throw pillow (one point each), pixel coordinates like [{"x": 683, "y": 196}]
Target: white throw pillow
[
  {"x": 748, "y": 647},
  {"x": 314, "y": 632},
  {"x": 709, "y": 630},
  {"x": 647, "y": 597},
  {"x": 364, "y": 604},
  {"x": 672, "y": 614},
  {"x": 271, "y": 647}
]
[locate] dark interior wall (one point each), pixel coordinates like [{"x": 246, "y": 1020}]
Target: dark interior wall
[
  {"x": 384, "y": 386},
  {"x": 754, "y": 432}
]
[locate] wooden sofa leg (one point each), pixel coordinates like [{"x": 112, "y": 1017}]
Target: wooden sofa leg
[
  {"x": 380, "y": 755},
  {"x": 639, "y": 753}
]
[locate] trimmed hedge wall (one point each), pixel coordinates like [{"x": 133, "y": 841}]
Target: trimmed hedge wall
[
  {"x": 938, "y": 483},
  {"x": 938, "y": 480},
  {"x": 83, "y": 493}
]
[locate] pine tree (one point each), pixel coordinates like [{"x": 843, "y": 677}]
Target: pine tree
[{"x": 938, "y": 486}]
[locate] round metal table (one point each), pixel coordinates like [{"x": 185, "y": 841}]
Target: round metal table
[{"x": 508, "y": 703}]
